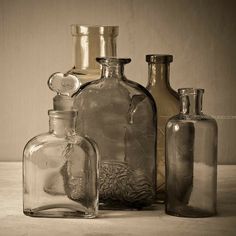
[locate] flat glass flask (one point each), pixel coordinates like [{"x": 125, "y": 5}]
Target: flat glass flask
[{"x": 60, "y": 171}]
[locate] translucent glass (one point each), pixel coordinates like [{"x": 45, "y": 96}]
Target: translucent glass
[
  {"x": 120, "y": 115},
  {"x": 91, "y": 42},
  {"x": 60, "y": 171},
  {"x": 167, "y": 104},
  {"x": 191, "y": 159}
]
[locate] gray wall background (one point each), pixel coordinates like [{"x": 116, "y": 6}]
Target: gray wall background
[{"x": 35, "y": 41}]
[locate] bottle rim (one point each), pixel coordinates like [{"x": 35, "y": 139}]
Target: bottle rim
[
  {"x": 80, "y": 30},
  {"x": 159, "y": 58},
  {"x": 188, "y": 91},
  {"x": 112, "y": 61},
  {"x": 63, "y": 113}
]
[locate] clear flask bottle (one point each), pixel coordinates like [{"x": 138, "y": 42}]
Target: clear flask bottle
[
  {"x": 167, "y": 102},
  {"x": 120, "y": 116},
  {"x": 60, "y": 171},
  {"x": 191, "y": 159}
]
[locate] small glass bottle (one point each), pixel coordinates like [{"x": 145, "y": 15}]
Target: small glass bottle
[
  {"x": 60, "y": 168},
  {"x": 191, "y": 159},
  {"x": 168, "y": 105},
  {"x": 91, "y": 42},
  {"x": 120, "y": 115}
]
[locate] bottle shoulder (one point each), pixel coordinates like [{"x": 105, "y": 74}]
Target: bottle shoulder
[
  {"x": 113, "y": 89},
  {"x": 41, "y": 140},
  {"x": 50, "y": 144},
  {"x": 203, "y": 118}
]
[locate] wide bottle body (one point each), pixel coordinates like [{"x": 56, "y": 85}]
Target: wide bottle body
[
  {"x": 60, "y": 177},
  {"x": 120, "y": 116}
]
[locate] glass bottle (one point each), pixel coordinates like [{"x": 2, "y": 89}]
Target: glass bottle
[
  {"x": 168, "y": 105},
  {"x": 191, "y": 159},
  {"x": 120, "y": 115},
  {"x": 91, "y": 42},
  {"x": 60, "y": 168}
]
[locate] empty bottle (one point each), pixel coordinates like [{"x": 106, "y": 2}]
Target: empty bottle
[
  {"x": 168, "y": 105},
  {"x": 120, "y": 116},
  {"x": 191, "y": 159},
  {"x": 60, "y": 168}
]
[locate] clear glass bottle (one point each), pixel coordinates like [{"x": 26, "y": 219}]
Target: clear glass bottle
[
  {"x": 191, "y": 159},
  {"x": 120, "y": 115},
  {"x": 60, "y": 168},
  {"x": 91, "y": 42},
  {"x": 168, "y": 105}
]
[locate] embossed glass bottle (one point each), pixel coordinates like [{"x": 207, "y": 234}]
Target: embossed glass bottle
[
  {"x": 91, "y": 42},
  {"x": 191, "y": 159},
  {"x": 168, "y": 105},
  {"x": 60, "y": 168},
  {"x": 120, "y": 115}
]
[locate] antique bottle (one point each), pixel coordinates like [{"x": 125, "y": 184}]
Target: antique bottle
[
  {"x": 168, "y": 105},
  {"x": 91, "y": 42},
  {"x": 60, "y": 168},
  {"x": 120, "y": 115},
  {"x": 191, "y": 159}
]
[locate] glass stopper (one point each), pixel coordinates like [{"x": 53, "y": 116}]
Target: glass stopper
[{"x": 64, "y": 84}]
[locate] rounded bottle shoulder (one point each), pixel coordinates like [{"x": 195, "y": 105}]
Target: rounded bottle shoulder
[
  {"x": 115, "y": 91},
  {"x": 47, "y": 139},
  {"x": 180, "y": 118},
  {"x": 102, "y": 83}
]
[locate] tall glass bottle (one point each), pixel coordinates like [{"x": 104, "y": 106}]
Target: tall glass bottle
[
  {"x": 191, "y": 159},
  {"x": 120, "y": 115},
  {"x": 168, "y": 105},
  {"x": 91, "y": 42}
]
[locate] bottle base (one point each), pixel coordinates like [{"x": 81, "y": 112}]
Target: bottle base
[
  {"x": 190, "y": 212},
  {"x": 125, "y": 207},
  {"x": 58, "y": 213}
]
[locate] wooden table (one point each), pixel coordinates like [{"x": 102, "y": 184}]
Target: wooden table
[{"x": 114, "y": 223}]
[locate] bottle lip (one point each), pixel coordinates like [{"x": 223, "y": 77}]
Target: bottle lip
[
  {"x": 112, "y": 61},
  {"x": 188, "y": 91},
  {"x": 78, "y": 30},
  {"x": 63, "y": 114},
  {"x": 159, "y": 58}
]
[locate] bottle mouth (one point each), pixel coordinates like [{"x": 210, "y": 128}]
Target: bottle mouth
[
  {"x": 112, "y": 61},
  {"x": 79, "y": 30},
  {"x": 190, "y": 91},
  {"x": 63, "y": 114},
  {"x": 159, "y": 58}
]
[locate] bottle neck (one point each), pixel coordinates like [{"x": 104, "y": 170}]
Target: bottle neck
[
  {"x": 158, "y": 75},
  {"x": 191, "y": 104},
  {"x": 61, "y": 126},
  {"x": 91, "y": 45},
  {"x": 113, "y": 71}
]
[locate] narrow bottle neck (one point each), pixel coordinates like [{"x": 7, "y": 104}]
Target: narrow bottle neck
[
  {"x": 88, "y": 47},
  {"x": 158, "y": 75},
  {"x": 191, "y": 104},
  {"x": 113, "y": 71},
  {"x": 61, "y": 126}
]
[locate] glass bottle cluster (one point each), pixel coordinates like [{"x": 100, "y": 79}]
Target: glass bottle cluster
[{"x": 114, "y": 142}]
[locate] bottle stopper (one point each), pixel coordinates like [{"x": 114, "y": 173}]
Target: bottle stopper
[{"x": 65, "y": 85}]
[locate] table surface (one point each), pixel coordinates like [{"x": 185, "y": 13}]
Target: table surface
[{"x": 114, "y": 223}]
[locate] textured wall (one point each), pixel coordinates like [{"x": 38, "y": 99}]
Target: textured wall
[{"x": 35, "y": 41}]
